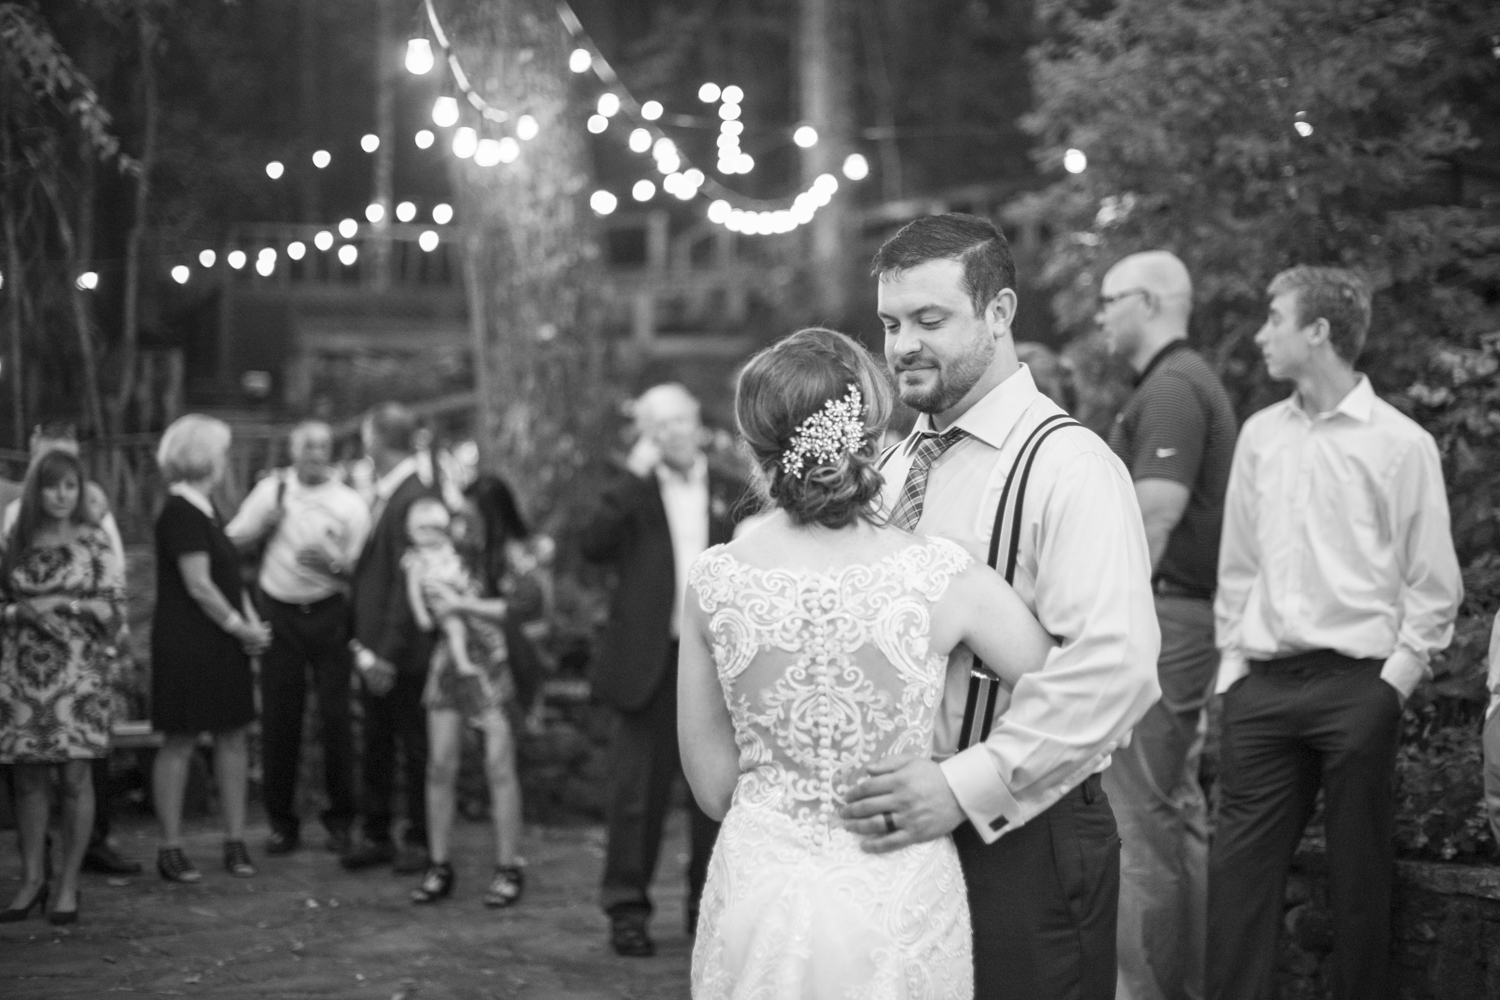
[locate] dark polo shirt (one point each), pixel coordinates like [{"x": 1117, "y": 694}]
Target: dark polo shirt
[{"x": 1179, "y": 425}]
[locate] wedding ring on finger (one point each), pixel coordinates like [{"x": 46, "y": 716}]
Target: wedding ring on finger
[{"x": 890, "y": 822}]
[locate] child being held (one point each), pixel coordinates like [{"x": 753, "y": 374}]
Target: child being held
[{"x": 432, "y": 563}]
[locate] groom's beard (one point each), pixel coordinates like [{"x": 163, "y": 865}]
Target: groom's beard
[{"x": 948, "y": 384}]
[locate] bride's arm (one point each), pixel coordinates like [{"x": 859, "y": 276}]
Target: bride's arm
[
  {"x": 980, "y": 610},
  {"x": 705, "y": 732}
]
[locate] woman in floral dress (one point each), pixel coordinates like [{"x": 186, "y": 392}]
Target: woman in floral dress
[{"x": 63, "y": 616}]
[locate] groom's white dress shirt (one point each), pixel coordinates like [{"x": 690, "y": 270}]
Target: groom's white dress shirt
[{"x": 1083, "y": 569}]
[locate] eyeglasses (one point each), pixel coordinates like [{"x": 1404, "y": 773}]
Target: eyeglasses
[{"x": 1105, "y": 301}]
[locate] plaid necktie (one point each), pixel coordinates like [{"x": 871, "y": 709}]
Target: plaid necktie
[{"x": 909, "y": 508}]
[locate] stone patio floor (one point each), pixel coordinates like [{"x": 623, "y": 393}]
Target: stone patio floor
[{"x": 304, "y": 927}]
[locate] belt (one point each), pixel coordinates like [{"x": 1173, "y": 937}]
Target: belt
[
  {"x": 1163, "y": 587},
  {"x": 306, "y": 607},
  {"x": 1314, "y": 661}
]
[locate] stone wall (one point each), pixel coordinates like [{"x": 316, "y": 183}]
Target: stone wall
[{"x": 1445, "y": 940}]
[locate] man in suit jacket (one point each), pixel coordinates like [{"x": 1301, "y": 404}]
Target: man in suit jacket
[
  {"x": 650, "y": 526},
  {"x": 391, "y": 651}
]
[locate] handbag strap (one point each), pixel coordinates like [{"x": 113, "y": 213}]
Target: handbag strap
[{"x": 984, "y": 684}]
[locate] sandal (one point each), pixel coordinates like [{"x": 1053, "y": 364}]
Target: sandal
[
  {"x": 174, "y": 866},
  {"x": 237, "y": 859},
  {"x": 505, "y": 888},
  {"x": 436, "y": 884}
]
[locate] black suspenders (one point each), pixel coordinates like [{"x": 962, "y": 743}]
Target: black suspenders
[{"x": 984, "y": 685}]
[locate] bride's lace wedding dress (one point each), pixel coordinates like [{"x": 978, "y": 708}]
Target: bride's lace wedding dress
[{"x": 824, "y": 673}]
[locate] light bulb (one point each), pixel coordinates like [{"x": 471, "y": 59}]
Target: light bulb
[
  {"x": 731, "y": 128},
  {"x": 729, "y": 112},
  {"x": 369, "y": 142},
  {"x": 598, "y": 123},
  {"x": 425, "y": 138},
  {"x": 406, "y": 211},
  {"x": 643, "y": 190},
  {"x": 347, "y": 228},
  {"x": 488, "y": 153},
  {"x": 323, "y": 240},
  {"x": 236, "y": 259},
  {"x": 465, "y": 142},
  {"x": 805, "y": 136},
  {"x": 428, "y": 241},
  {"x": 651, "y": 110},
  {"x": 718, "y": 211},
  {"x": 664, "y": 147},
  {"x": 825, "y": 184},
  {"x": 509, "y": 150},
  {"x": 445, "y": 112},
  {"x": 180, "y": 274},
  {"x": 375, "y": 212},
  {"x": 668, "y": 164},
  {"x": 207, "y": 258},
  {"x": 640, "y": 140},
  {"x": 609, "y": 104},
  {"x": 744, "y": 163},
  {"x": 296, "y": 250},
  {"x": 442, "y": 213},
  {"x": 274, "y": 170},
  {"x": 526, "y": 128},
  {"x": 1075, "y": 162},
  {"x": 695, "y": 177},
  {"x": 264, "y": 266},
  {"x": 670, "y": 182},
  {"x": 348, "y": 254},
  {"x": 728, "y": 164},
  {"x": 1304, "y": 129},
  {"x": 419, "y": 59},
  {"x": 267, "y": 253},
  {"x": 321, "y": 159},
  {"x": 732, "y": 95},
  {"x": 579, "y": 60},
  {"x": 856, "y": 167},
  {"x": 603, "y": 202},
  {"x": 708, "y": 93}
]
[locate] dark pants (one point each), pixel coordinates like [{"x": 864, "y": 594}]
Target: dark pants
[
  {"x": 1294, "y": 725},
  {"x": 1044, "y": 901},
  {"x": 306, "y": 637},
  {"x": 396, "y": 716},
  {"x": 645, "y": 763}
]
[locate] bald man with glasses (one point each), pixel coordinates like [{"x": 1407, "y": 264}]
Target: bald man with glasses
[{"x": 1176, "y": 435}]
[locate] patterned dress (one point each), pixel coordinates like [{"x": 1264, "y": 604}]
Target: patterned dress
[
  {"x": 57, "y": 694},
  {"x": 822, "y": 674}
]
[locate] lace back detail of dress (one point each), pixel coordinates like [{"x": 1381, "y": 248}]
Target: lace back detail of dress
[{"x": 825, "y": 672}]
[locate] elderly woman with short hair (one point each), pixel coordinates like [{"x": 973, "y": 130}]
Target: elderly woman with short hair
[{"x": 201, "y": 644}]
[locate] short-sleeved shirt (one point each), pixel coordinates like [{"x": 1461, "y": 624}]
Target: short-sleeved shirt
[{"x": 1180, "y": 426}]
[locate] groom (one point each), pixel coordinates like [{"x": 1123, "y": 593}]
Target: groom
[{"x": 1034, "y": 831}]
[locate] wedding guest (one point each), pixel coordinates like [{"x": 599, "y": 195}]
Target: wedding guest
[
  {"x": 63, "y": 616},
  {"x": 488, "y": 530},
  {"x": 391, "y": 652},
  {"x": 203, "y": 634},
  {"x": 101, "y": 857},
  {"x": 1337, "y": 583},
  {"x": 312, "y": 527},
  {"x": 1176, "y": 436},
  {"x": 650, "y": 525}
]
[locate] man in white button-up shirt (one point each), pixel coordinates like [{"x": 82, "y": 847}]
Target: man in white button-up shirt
[
  {"x": 1337, "y": 583},
  {"x": 1034, "y": 830}
]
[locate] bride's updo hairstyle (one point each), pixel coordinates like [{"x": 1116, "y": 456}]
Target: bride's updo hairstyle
[{"x": 810, "y": 374}]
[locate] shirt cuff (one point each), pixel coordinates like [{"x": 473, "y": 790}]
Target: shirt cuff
[
  {"x": 1232, "y": 666},
  {"x": 980, "y": 793},
  {"x": 1404, "y": 670}
]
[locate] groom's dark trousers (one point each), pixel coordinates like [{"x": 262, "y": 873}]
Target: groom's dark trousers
[{"x": 1044, "y": 901}]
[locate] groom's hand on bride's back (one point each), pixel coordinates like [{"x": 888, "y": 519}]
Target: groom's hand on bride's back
[{"x": 913, "y": 791}]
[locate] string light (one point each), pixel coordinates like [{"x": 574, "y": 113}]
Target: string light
[
  {"x": 644, "y": 190},
  {"x": 598, "y": 123},
  {"x": 732, "y": 95},
  {"x": 375, "y": 212},
  {"x": 347, "y": 228},
  {"x": 180, "y": 274},
  {"x": 856, "y": 167},
  {"x": 425, "y": 138},
  {"x": 323, "y": 240},
  {"x": 207, "y": 258},
  {"x": 526, "y": 128},
  {"x": 640, "y": 140},
  {"x": 348, "y": 254},
  {"x": 445, "y": 112},
  {"x": 1302, "y": 125},
  {"x": 236, "y": 259},
  {"x": 603, "y": 202},
  {"x": 274, "y": 170},
  {"x": 609, "y": 104},
  {"x": 487, "y": 153},
  {"x": 510, "y": 149},
  {"x": 88, "y": 281},
  {"x": 579, "y": 61},
  {"x": 708, "y": 93},
  {"x": 442, "y": 213},
  {"x": 651, "y": 110},
  {"x": 729, "y": 112},
  {"x": 419, "y": 61},
  {"x": 806, "y": 136},
  {"x": 321, "y": 158},
  {"x": 465, "y": 142},
  {"x": 296, "y": 249},
  {"x": 406, "y": 211},
  {"x": 1075, "y": 162},
  {"x": 369, "y": 142},
  {"x": 265, "y": 262},
  {"x": 428, "y": 241}
]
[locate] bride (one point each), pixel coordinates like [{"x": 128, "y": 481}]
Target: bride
[{"x": 811, "y": 646}]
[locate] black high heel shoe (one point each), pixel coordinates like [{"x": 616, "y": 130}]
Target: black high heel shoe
[
  {"x": 13, "y": 914},
  {"x": 61, "y": 918},
  {"x": 436, "y": 884}
]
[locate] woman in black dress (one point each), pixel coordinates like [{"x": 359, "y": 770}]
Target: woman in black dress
[{"x": 200, "y": 645}]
